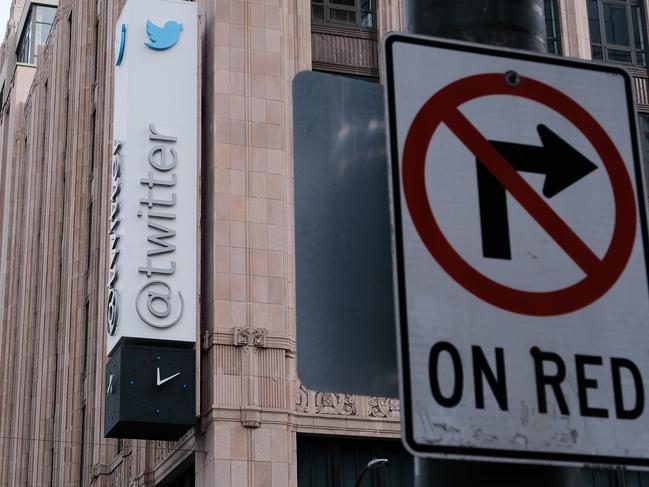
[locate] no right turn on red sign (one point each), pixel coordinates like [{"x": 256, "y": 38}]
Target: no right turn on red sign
[{"x": 521, "y": 241}]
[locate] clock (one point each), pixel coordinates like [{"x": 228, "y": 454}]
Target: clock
[{"x": 150, "y": 391}]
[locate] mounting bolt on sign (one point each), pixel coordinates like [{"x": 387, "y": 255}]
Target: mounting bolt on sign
[
  {"x": 512, "y": 78},
  {"x": 521, "y": 245}
]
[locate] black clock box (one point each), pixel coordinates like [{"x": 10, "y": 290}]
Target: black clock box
[{"x": 150, "y": 391}]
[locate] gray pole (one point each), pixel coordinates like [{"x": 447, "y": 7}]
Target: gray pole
[
  {"x": 508, "y": 23},
  {"x": 438, "y": 473}
]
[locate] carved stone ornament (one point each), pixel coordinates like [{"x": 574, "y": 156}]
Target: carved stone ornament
[
  {"x": 332, "y": 403},
  {"x": 383, "y": 407},
  {"x": 251, "y": 337},
  {"x": 302, "y": 400}
]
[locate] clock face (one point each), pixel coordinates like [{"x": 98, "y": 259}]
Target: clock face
[
  {"x": 160, "y": 381},
  {"x": 151, "y": 393}
]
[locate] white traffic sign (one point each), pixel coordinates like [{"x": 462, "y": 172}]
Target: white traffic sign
[{"x": 520, "y": 236}]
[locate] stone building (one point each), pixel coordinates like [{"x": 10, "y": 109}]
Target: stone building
[{"x": 257, "y": 425}]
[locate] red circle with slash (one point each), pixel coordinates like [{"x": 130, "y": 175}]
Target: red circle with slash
[{"x": 601, "y": 274}]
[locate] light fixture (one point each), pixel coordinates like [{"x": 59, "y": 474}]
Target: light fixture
[{"x": 372, "y": 464}]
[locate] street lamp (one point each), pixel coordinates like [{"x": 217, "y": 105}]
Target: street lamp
[{"x": 375, "y": 463}]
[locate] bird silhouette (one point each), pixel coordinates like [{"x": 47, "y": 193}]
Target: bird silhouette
[
  {"x": 119, "y": 53},
  {"x": 163, "y": 37}
]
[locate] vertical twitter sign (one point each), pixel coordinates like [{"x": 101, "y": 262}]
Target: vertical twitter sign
[
  {"x": 153, "y": 266},
  {"x": 153, "y": 262}
]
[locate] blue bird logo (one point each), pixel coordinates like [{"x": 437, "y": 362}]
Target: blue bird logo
[
  {"x": 162, "y": 38},
  {"x": 121, "y": 42}
]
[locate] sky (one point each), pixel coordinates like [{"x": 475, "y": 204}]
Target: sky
[{"x": 4, "y": 16}]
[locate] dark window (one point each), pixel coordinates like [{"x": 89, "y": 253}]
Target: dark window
[
  {"x": 337, "y": 462},
  {"x": 182, "y": 476},
  {"x": 552, "y": 31},
  {"x": 352, "y": 13},
  {"x": 643, "y": 122},
  {"x": 25, "y": 50},
  {"x": 35, "y": 32},
  {"x": 617, "y": 31}
]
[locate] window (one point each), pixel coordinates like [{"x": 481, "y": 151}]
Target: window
[
  {"x": 182, "y": 476},
  {"x": 351, "y": 13},
  {"x": 617, "y": 31},
  {"x": 552, "y": 27},
  {"x": 35, "y": 32},
  {"x": 338, "y": 462}
]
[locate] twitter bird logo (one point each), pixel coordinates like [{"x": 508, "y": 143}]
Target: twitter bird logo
[
  {"x": 119, "y": 51},
  {"x": 162, "y": 38}
]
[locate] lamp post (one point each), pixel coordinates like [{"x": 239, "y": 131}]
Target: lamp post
[{"x": 372, "y": 464}]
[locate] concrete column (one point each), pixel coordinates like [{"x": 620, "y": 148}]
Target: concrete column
[{"x": 252, "y": 50}]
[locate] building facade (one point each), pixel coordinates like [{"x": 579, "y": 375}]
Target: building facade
[{"x": 257, "y": 425}]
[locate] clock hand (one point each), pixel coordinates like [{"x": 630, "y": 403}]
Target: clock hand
[{"x": 160, "y": 382}]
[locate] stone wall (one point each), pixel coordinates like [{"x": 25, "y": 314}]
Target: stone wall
[{"x": 54, "y": 180}]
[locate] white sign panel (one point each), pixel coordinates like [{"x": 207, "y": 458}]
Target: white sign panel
[
  {"x": 520, "y": 237},
  {"x": 153, "y": 221}
]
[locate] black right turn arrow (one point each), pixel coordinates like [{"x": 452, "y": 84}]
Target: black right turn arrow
[{"x": 562, "y": 165}]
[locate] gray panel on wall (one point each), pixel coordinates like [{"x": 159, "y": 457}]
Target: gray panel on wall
[{"x": 346, "y": 340}]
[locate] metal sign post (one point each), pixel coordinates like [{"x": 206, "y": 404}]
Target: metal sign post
[{"x": 491, "y": 23}]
